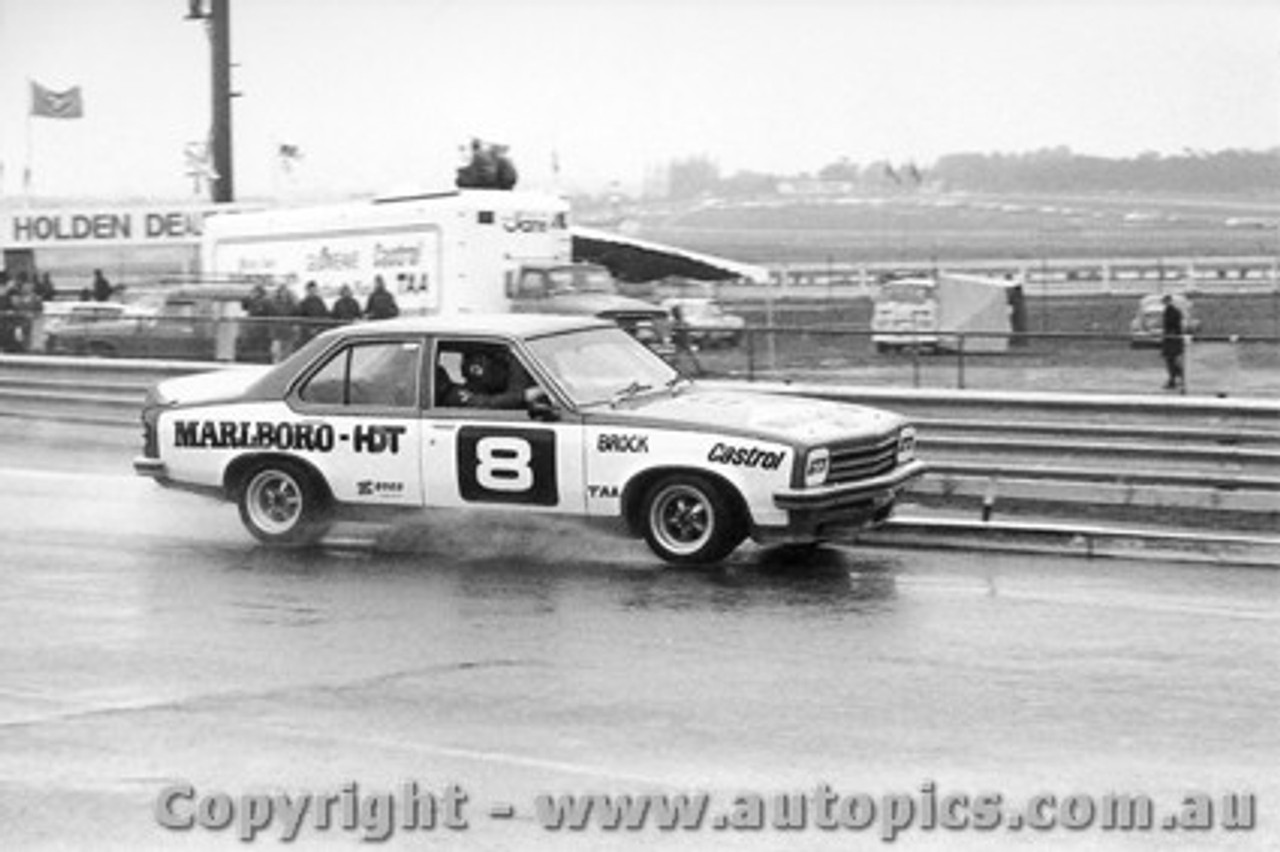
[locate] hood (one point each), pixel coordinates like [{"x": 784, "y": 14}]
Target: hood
[
  {"x": 210, "y": 387},
  {"x": 792, "y": 419},
  {"x": 602, "y": 304}
]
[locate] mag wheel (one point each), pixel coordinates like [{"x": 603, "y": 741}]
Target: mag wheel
[
  {"x": 280, "y": 503},
  {"x": 688, "y": 520}
]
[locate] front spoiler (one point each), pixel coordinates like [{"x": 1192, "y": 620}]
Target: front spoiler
[
  {"x": 835, "y": 511},
  {"x": 849, "y": 493},
  {"x": 154, "y": 468}
]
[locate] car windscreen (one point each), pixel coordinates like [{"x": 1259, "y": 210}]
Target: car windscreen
[
  {"x": 596, "y": 365},
  {"x": 904, "y": 292}
]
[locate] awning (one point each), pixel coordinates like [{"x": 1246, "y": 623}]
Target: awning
[{"x": 632, "y": 260}]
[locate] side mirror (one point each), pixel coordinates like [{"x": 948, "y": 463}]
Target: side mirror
[{"x": 540, "y": 406}]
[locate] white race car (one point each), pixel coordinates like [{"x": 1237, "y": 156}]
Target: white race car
[{"x": 557, "y": 414}]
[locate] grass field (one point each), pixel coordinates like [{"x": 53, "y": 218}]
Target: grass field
[{"x": 940, "y": 228}]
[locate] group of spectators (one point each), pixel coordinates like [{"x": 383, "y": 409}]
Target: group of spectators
[
  {"x": 21, "y": 303},
  {"x": 270, "y": 334}
]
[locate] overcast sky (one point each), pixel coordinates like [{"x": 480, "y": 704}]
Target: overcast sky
[{"x": 380, "y": 94}]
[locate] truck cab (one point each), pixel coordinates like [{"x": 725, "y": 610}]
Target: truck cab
[
  {"x": 586, "y": 289},
  {"x": 905, "y": 314}
]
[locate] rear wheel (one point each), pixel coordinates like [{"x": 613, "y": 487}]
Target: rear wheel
[
  {"x": 689, "y": 520},
  {"x": 281, "y": 503}
]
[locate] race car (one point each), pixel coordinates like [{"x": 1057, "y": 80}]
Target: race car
[{"x": 521, "y": 413}]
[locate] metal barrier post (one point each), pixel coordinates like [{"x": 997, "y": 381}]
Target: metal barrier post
[
  {"x": 915, "y": 364},
  {"x": 751, "y": 354},
  {"x": 960, "y": 361}
]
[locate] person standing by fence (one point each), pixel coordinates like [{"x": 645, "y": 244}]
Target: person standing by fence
[
  {"x": 381, "y": 304},
  {"x": 1172, "y": 345},
  {"x": 313, "y": 313},
  {"x": 345, "y": 308}
]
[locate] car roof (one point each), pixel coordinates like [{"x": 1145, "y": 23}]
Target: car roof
[
  {"x": 213, "y": 292},
  {"x": 56, "y": 307},
  {"x": 1152, "y": 299},
  {"x": 513, "y": 325}
]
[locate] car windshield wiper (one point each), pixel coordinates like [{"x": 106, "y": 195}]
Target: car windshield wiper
[{"x": 629, "y": 391}]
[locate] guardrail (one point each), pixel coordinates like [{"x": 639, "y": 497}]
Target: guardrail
[
  {"x": 1198, "y": 461},
  {"x": 1051, "y": 276},
  {"x": 1206, "y": 462}
]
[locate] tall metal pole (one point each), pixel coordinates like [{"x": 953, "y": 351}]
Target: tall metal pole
[{"x": 223, "y": 186}]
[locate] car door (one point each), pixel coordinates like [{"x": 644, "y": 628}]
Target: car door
[
  {"x": 496, "y": 457},
  {"x": 366, "y": 393}
]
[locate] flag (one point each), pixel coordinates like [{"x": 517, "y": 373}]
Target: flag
[
  {"x": 289, "y": 155},
  {"x": 47, "y": 103}
]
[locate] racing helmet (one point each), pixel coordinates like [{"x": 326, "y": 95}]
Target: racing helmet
[{"x": 485, "y": 370}]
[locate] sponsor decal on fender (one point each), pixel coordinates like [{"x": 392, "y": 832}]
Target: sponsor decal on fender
[
  {"x": 745, "y": 456},
  {"x": 369, "y": 488},
  {"x": 311, "y": 437},
  {"x": 622, "y": 444},
  {"x": 602, "y": 492}
]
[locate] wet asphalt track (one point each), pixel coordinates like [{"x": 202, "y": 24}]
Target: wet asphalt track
[{"x": 145, "y": 641}]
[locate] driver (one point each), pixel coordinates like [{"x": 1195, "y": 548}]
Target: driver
[{"x": 491, "y": 379}]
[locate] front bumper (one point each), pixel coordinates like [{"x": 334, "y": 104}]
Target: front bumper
[
  {"x": 817, "y": 512},
  {"x": 154, "y": 468}
]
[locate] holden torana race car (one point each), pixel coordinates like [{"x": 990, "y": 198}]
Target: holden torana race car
[{"x": 545, "y": 413}]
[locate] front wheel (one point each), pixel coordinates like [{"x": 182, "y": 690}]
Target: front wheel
[
  {"x": 688, "y": 520},
  {"x": 281, "y": 504}
]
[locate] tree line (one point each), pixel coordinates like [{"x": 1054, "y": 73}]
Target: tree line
[{"x": 1050, "y": 170}]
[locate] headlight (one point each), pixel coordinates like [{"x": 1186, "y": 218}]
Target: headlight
[
  {"x": 816, "y": 466},
  {"x": 906, "y": 444}
]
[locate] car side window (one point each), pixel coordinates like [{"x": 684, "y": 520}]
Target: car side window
[
  {"x": 471, "y": 374},
  {"x": 369, "y": 375}
]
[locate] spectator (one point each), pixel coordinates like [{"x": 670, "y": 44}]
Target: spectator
[
  {"x": 482, "y": 171},
  {"x": 1171, "y": 345},
  {"x": 101, "y": 287},
  {"x": 313, "y": 312},
  {"x": 505, "y": 176},
  {"x": 256, "y": 340},
  {"x": 45, "y": 289},
  {"x": 8, "y": 316},
  {"x": 28, "y": 307},
  {"x": 381, "y": 304},
  {"x": 683, "y": 341},
  {"x": 283, "y": 332},
  {"x": 345, "y": 308}
]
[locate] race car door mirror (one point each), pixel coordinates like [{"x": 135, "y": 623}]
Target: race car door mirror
[{"x": 540, "y": 406}]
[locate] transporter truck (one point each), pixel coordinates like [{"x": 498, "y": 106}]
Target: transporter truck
[{"x": 460, "y": 251}]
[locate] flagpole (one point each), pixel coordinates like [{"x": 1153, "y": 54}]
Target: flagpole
[{"x": 26, "y": 170}]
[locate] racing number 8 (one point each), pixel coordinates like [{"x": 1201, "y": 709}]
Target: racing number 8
[
  {"x": 502, "y": 464},
  {"x": 507, "y": 465}
]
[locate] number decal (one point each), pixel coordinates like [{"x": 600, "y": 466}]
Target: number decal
[
  {"x": 507, "y": 465},
  {"x": 502, "y": 463}
]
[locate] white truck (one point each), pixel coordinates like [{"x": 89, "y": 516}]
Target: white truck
[
  {"x": 934, "y": 312},
  {"x": 460, "y": 251},
  {"x": 448, "y": 252}
]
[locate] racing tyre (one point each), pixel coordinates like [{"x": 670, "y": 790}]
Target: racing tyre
[
  {"x": 688, "y": 520},
  {"x": 281, "y": 503}
]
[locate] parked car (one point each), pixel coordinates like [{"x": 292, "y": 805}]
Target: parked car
[
  {"x": 522, "y": 412},
  {"x": 187, "y": 324},
  {"x": 1147, "y": 326},
  {"x": 57, "y": 317},
  {"x": 708, "y": 324}
]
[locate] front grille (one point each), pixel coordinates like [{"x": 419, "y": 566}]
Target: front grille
[{"x": 857, "y": 460}]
